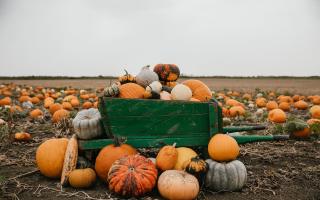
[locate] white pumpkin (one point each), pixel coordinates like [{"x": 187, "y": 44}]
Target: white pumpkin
[
  {"x": 87, "y": 124},
  {"x": 231, "y": 176},
  {"x": 27, "y": 105},
  {"x": 155, "y": 86},
  {"x": 146, "y": 76},
  {"x": 181, "y": 92}
]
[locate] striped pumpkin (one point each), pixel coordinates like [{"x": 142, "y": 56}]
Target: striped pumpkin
[{"x": 132, "y": 175}]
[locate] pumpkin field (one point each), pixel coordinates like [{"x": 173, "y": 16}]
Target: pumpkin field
[{"x": 43, "y": 121}]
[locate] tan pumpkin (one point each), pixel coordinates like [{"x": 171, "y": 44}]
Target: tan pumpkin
[
  {"x": 175, "y": 184},
  {"x": 50, "y": 157},
  {"x": 223, "y": 148},
  {"x": 82, "y": 178},
  {"x": 277, "y": 116},
  {"x": 131, "y": 91},
  {"x": 199, "y": 90},
  {"x": 184, "y": 157},
  {"x": 59, "y": 115},
  {"x": 70, "y": 159},
  {"x": 167, "y": 157}
]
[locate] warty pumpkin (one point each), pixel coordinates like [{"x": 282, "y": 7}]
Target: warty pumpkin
[
  {"x": 231, "y": 176},
  {"x": 132, "y": 175},
  {"x": 167, "y": 72},
  {"x": 86, "y": 124},
  {"x": 198, "y": 168},
  {"x": 70, "y": 159},
  {"x": 82, "y": 178},
  {"x": 223, "y": 147},
  {"x": 184, "y": 157},
  {"x": 112, "y": 90},
  {"x": 167, "y": 157},
  {"x": 108, "y": 155},
  {"x": 277, "y": 115},
  {"x": 131, "y": 91},
  {"x": 50, "y": 157},
  {"x": 146, "y": 77},
  {"x": 199, "y": 90},
  {"x": 175, "y": 184}
]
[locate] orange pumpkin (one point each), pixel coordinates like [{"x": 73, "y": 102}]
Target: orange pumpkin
[
  {"x": 261, "y": 102},
  {"x": 277, "y": 116},
  {"x": 15, "y": 108},
  {"x": 315, "y": 111},
  {"x": 233, "y": 102},
  {"x": 272, "y": 105},
  {"x": 24, "y": 99},
  {"x": 108, "y": 155},
  {"x": 75, "y": 102},
  {"x": 316, "y": 100},
  {"x": 35, "y": 100},
  {"x": 167, "y": 157},
  {"x": 199, "y": 89},
  {"x": 301, "y": 105},
  {"x": 36, "y": 113},
  {"x": 48, "y": 102},
  {"x": 67, "y": 106},
  {"x": 87, "y": 105},
  {"x": 50, "y": 157},
  {"x": 302, "y": 133},
  {"x": 285, "y": 106},
  {"x": 132, "y": 175},
  {"x": 225, "y": 112},
  {"x": 283, "y": 98},
  {"x": 59, "y": 115},
  {"x": 54, "y": 107},
  {"x": 247, "y": 97},
  {"x": 131, "y": 91},
  {"x": 5, "y": 101},
  {"x": 22, "y": 136},
  {"x": 236, "y": 111},
  {"x": 223, "y": 148}
]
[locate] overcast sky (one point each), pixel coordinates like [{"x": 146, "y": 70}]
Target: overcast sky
[{"x": 203, "y": 37}]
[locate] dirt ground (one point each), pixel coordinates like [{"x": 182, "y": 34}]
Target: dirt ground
[
  {"x": 276, "y": 170},
  {"x": 303, "y": 86}
]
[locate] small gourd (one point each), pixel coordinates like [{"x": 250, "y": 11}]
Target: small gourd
[
  {"x": 197, "y": 167},
  {"x": 167, "y": 157},
  {"x": 82, "y": 178},
  {"x": 127, "y": 78},
  {"x": 154, "y": 86},
  {"x": 112, "y": 91}
]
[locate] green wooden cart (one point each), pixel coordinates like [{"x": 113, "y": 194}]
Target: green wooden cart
[{"x": 154, "y": 123}]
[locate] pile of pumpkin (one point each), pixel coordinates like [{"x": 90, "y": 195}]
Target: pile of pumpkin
[
  {"x": 177, "y": 173},
  {"x": 161, "y": 83},
  {"x": 277, "y": 108}
]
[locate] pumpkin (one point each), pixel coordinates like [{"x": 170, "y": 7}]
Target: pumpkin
[
  {"x": 54, "y": 107},
  {"x": 313, "y": 121},
  {"x": 165, "y": 95},
  {"x": 86, "y": 124},
  {"x": 154, "y": 86},
  {"x": 301, "y": 105},
  {"x": 199, "y": 89},
  {"x": 5, "y": 101},
  {"x": 261, "y": 102},
  {"x": 283, "y": 98},
  {"x": 277, "y": 115},
  {"x": 315, "y": 112},
  {"x": 67, "y": 106},
  {"x": 131, "y": 91},
  {"x": 166, "y": 89},
  {"x": 174, "y": 184},
  {"x": 233, "y": 102},
  {"x": 22, "y": 136},
  {"x": 146, "y": 77},
  {"x": 223, "y": 147},
  {"x": 127, "y": 78},
  {"x": 27, "y": 105},
  {"x": 108, "y": 155},
  {"x": 112, "y": 90},
  {"x": 87, "y": 105},
  {"x": 194, "y": 99},
  {"x": 132, "y": 175},
  {"x": 15, "y": 108},
  {"x": 82, "y": 178},
  {"x": 151, "y": 95},
  {"x": 236, "y": 111},
  {"x": 70, "y": 159},
  {"x": 36, "y": 113},
  {"x": 297, "y": 128},
  {"x": 184, "y": 157},
  {"x": 316, "y": 100},
  {"x": 181, "y": 92},
  {"x": 247, "y": 97},
  {"x": 167, "y": 72},
  {"x": 35, "y": 100},
  {"x": 167, "y": 157},
  {"x": 285, "y": 106},
  {"x": 231, "y": 176},
  {"x": 59, "y": 115},
  {"x": 50, "y": 157},
  {"x": 197, "y": 167},
  {"x": 48, "y": 102},
  {"x": 75, "y": 102},
  {"x": 24, "y": 98},
  {"x": 84, "y": 96},
  {"x": 271, "y": 105}
]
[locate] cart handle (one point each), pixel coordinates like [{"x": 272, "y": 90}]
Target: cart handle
[{"x": 231, "y": 129}]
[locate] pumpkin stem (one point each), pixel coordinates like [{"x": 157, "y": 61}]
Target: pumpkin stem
[
  {"x": 174, "y": 144},
  {"x": 126, "y": 72}
]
